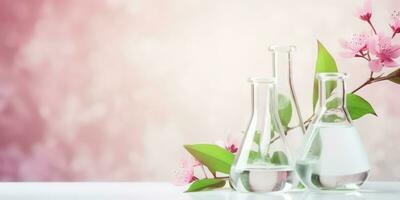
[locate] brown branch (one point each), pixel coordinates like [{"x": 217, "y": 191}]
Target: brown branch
[{"x": 374, "y": 80}]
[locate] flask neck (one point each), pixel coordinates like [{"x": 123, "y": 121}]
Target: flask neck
[
  {"x": 332, "y": 90},
  {"x": 283, "y": 73},
  {"x": 332, "y": 99},
  {"x": 263, "y": 98},
  {"x": 281, "y": 62}
]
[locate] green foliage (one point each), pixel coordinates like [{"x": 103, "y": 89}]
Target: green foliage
[
  {"x": 257, "y": 137},
  {"x": 254, "y": 155},
  {"x": 284, "y": 110},
  {"x": 214, "y": 157},
  {"x": 279, "y": 158},
  {"x": 358, "y": 107},
  {"x": 325, "y": 63},
  {"x": 206, "y": 184},
  {"x": 396, "y": 76}
]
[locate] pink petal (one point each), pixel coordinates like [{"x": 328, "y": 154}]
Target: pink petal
[
  {"x": 189, "y": 162},
  {"x": 183, "y": 176},
  {"x": 390, "y": 63},
  {"x": 344, "y": 44},
  {"x": 372, "y": 45},
  {"x": 196, "y": 163},
  {"x": 367, "y": 6},
  {"x": 375, "y": 65},
  {"x": 233, "y": 140},
  {"x": 395, "y": 51}
]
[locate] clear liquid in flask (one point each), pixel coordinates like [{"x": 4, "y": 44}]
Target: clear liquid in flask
[
  {"x": 337, "y": 159},
  {"x": 261, "y": 179}
]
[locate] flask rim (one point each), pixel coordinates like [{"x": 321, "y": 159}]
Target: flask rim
[
  {"x": 332, "y": 75},
  {"x": 258, "y": 80},
  {"x": 282, "y": 48}
]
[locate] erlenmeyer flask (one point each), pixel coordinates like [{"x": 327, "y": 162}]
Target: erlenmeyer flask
[
  {"x": 289, "y": 109},
  {"x": 263, "y": 162},
  {"x": 333, "y": 155}
]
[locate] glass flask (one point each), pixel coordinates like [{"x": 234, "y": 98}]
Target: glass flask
[
  {"x": 333, "y": 156},
  {"x": 282, "y": 71},
  {"x": 288, "y": 107},
  {"x": 263, "y": 162}
]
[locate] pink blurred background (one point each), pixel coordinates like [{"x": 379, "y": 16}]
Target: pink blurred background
[{"x": 111, "y": 89}]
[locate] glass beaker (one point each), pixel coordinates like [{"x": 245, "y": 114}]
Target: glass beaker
[
  {"x": 289, "y": 110},
  {"x": 263, "y": 162},
  {"x": 333, "y": 155}
]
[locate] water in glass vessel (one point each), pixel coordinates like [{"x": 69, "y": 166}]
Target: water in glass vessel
[
  {"x": 334, "y": 157},
  {"x": 263, "y": 162}
]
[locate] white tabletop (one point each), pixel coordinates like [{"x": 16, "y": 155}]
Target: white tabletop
[{"x": 158, "y": 190}]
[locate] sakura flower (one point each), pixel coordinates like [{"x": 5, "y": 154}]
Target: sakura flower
[
  {"x": 381, "y": 46},
  {"x": 365, "y": 13},
  {"x": 231, "y": 144},
  {"x": 395, "y": 25},
  {"x": 185, "y": 174},
  {"x": 190, "y": 161},
  {"x": 356, "y": 46}
]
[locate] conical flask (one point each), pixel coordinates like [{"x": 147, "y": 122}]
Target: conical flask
[
  {"x": 289, "y": 110},
  {"x": 263, "y": 162},
  {"x": 333, "y": 155}
]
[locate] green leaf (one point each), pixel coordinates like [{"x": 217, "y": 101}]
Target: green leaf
[
  {"x": 358, "y": 107},
  {"x": 284, "y": 110},
  {"x": 396, "y": 76},
  {"x": 325, "y": 63},
  {"x": 333, "y": 103},
  {"x": 214, "y": 157},
  {"x": 254, "y": 155},
  {"x": 279, "y": 158},
  {"x": 257, "y": 137},
  {"x": 206, "y": 184}
]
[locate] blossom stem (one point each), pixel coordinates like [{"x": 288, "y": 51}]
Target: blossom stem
[
  {"x": 374, "y": 80},
  {"x": 359, "y": 56},
  {"x": 366, "y": 56},
  {"x": 372, "y": 26},
  {"x": 362, "y": 85},
  {"x": 369, "y": 59},
  {"x": 394, "y": 34}
]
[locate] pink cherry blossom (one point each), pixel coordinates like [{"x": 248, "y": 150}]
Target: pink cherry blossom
[
  {"x": 385, "y": 52},
  {"x": 231, "y": 143},
  {"x": 190, "y": 162},
  {"x": 356, "y": 46},
  {"x": 395, "y": 25},
  {"x": 365, "y": 12},
  {"x": 185, "y": 174}
]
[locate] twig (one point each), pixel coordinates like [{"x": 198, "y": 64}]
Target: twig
[{"x": 374, "y": 80}]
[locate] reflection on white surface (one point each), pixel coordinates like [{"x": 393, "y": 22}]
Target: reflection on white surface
[
  {"x": 296, "y": 196},
  {"x": 166, "y": 191},
  {"x": 370, "y": 191}
]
